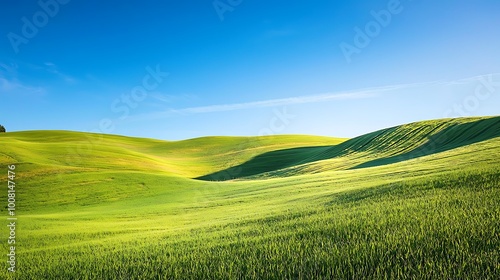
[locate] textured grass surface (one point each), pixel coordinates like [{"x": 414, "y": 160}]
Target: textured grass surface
[
  {"x": 382, "y": 147},
  {"x": 302, "y": 207}
]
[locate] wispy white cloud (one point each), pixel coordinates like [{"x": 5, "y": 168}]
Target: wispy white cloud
[
  {"x": 52, "y": 68},
  {"x": 318, "y": 98},
  {"x": 9, "y": 82},
  {"x": 326, "y": 97},
  {"x": 359, "y": 94},
  {"x": 14, "y": 86},
  {"x": 274, "y": 102},
  {"x": 475, "y": 79},
  {"x": 8, "y": 69},
  {"x": 13, "y": 77}
]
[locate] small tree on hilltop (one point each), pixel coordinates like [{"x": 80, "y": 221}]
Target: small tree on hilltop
[{"x": 2, "y": 128}]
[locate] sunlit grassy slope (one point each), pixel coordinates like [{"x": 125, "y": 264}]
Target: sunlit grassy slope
[
  {"x": 61, "y": 151},
  {"x": 416, "y": 201},
  {"x": 382, "y": 147}
]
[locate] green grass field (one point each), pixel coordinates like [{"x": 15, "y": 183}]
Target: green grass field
[{"x": 417, "y": 201}]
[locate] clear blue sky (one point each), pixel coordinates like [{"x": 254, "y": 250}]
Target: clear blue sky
[{"x": 336, "y": 68}]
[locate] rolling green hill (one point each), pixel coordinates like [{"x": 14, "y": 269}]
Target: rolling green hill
[
  {"x": 57, "y": 151},
  {"x": 420, "y": 200},
  {"x": 382, "y": 147}
]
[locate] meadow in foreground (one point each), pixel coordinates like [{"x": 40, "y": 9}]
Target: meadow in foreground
[{"x": 377, "y": 206}]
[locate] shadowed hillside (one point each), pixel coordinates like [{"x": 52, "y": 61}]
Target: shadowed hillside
[{"x": 382, "y": 147}]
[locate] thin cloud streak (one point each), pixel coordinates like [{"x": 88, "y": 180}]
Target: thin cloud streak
[
  {"x": 347, "y": 95},
  {"x": 14, "y": 86},
  {"x": 474, "y": 79},
  {"x": 359, "y": 94},
  {"x": 273, "y": 103}
]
